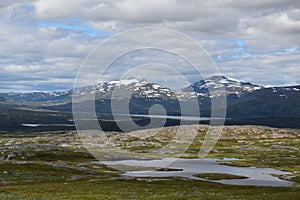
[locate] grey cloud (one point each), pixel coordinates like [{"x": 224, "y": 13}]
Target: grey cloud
[
  {"x": 266, "y": 27},
  {"x": 4, "y": 4}
]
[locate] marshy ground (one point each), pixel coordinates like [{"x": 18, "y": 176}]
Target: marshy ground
[{"x": 55, "y": 165}]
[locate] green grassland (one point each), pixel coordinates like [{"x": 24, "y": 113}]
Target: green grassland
[{"x": 57, "y": 166}]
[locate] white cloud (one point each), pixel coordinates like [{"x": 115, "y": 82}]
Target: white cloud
[
  {"x": 49, "y": 53},
  {"x": 19, "y": 68}
]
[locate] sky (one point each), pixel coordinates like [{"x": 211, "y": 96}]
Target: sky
[{"x": 43, "y": 43}]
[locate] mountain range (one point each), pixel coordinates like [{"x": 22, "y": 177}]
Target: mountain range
[
  {"x": 247, "y": 103},
  {"x": 141, "y": 89}
]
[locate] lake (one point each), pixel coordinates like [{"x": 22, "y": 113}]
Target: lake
[{"x": 256, "y": 176}]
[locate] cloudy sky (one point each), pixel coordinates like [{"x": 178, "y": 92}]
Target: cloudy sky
[{"x": 44, "y": 42}]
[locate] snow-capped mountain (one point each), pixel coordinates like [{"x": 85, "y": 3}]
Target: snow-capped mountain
[
  {"x": 142, "y": 89},
  {"x": 214, "y": 83},
  {"x": 119, "y": 89},
  {"x": 243, "y": 98}
]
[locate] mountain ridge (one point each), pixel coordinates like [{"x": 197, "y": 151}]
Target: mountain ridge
[
  {"x": 104, "y": 88},
  {"x": 244, "y": 100}
]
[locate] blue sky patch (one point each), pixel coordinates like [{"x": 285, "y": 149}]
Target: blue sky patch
[
  {"x": 27, "y": 7},
  {"x": 75, "y": 26}
]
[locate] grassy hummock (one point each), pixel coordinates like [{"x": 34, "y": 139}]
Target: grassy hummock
[{"x": 219, "y": 176}]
